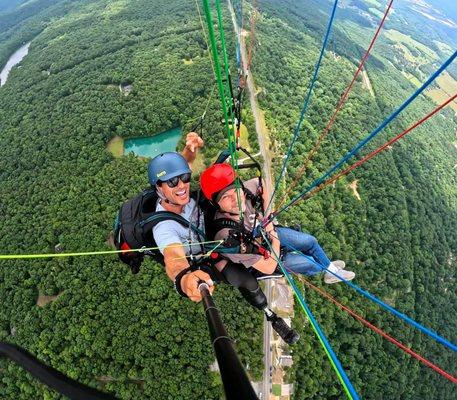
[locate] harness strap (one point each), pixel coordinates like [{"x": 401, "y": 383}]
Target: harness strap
[
  {"x": 50, "y": 376},
  {"x": 160, "y": 216}
]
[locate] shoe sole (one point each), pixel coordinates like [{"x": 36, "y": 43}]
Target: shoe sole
[
  {"x": 334, "y": 279},
  {"x": 262, "y": 278}
]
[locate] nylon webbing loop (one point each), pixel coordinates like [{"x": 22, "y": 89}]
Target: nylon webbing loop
[{"x": 50, "y": 376}]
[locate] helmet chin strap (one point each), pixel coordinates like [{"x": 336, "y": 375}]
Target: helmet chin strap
[{"x": 163, "y": 197}]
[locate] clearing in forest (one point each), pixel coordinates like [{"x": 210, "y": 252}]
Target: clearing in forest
[
  {"x": 408, "y": 45},
  {"x": 116, "y": 146},
  {"x": 43, "y": 300},
  {"x": 447, "y": 86},
  {"x": 366, "y": 82},
  {"x": 353, "y": 187}
]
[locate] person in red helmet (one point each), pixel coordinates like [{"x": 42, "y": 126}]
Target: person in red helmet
[
  {"x": 237, "y": 275},
  {"x": 234, "y": 226}
]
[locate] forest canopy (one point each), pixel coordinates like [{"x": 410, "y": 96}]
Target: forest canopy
[{"x": 133, "y": 336}]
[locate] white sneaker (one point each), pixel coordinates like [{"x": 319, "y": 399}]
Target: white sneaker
[
  {"x": 340, "y": 264},
  {"x": 329, "y": 278}
]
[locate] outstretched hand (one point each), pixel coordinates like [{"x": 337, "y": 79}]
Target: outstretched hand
[
  {"x": 193, "y": 141},
  {"x": 190, "y": 282}
]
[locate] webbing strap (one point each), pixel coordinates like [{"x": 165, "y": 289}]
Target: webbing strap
[
  {"x": 50, "y": 376},
  {"x": 160, "y": 216}
]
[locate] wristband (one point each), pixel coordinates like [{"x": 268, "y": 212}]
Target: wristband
[{"x": 177, "y": 282}]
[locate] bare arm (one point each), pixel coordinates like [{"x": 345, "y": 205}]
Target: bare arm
[
  {"x": 267, "y": 266},
  {"x": 175, "y": 262}
]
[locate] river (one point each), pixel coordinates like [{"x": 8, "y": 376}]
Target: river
[{"x": 15, "y": 59}]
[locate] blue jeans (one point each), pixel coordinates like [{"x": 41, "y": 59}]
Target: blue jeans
[{"x": 313, "y": 258}]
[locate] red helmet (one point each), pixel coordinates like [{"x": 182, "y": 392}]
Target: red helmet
[{"x": 216, "y": 178}]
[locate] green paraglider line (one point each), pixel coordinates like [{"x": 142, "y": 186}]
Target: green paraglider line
[
  {"x": 347, "y": 385},
  {"x": 226, "y": 100}
]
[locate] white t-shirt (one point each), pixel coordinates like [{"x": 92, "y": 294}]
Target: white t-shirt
[{"x": 169, "y": 232}]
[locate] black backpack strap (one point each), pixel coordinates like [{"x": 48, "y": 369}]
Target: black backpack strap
[
  {"x": 222, "y": 223},
  {"x": 238, "y": 241},
  {"x": 160, "y": 216}
]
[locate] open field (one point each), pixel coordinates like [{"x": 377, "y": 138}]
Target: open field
[
  {"x": 447, "y": 87},
  {"x": 408, "y": 44},
  {"x": 438, "y": 96},
  {"x": 447, "y": 83},
  {"x": 446, "y": 49},
  {"x": 116, "y": 146},
  {"x": 376, "y": 12},
  {"x": 416, "y": 82},
  {"x": 374, "y": 3}
]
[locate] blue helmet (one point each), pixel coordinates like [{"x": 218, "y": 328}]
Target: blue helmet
[{"x": 166, "y": 166}]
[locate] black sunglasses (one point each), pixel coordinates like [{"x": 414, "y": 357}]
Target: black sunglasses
[{"x": 173, "y": 182}]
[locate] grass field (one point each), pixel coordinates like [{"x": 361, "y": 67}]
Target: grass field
[
  {"x": 116, "y": 146},
  {"x": 416, "y": 82},
  {"x": 276, "y": 389},
  {"x": 404, "y": 41},
  {"x": 446, "y": 49},
  {"x": 375, "y": 3},
  {"x": 244, "y": 137},
  {"x": 376, "y": 12},
  {"x": 438, "y": 96},
  {"x": 447, "y": 83},
  {"x": 447, "y": 87}
]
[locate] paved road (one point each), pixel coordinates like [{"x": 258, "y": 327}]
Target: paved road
[{"x": 263, "y": 145}]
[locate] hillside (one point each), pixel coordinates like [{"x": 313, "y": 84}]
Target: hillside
[
  {"x": 132, "y": 335},
  {"x": 399, "y": 237}
]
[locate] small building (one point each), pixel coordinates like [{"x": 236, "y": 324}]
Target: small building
[{"x": 285, "y": 360}]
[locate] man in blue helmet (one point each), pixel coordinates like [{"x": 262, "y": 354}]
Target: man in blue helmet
[{"x": 170, "y": 174}]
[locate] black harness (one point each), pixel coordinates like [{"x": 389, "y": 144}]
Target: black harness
[{"x": 239, "y": 240}]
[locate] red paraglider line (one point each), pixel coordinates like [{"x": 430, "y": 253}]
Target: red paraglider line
[
  {"x": 338, "y": 108},
  {"x": 383, "y": 334}
]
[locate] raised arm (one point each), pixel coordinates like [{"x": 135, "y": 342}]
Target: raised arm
[{"x": 191, "y": 149}]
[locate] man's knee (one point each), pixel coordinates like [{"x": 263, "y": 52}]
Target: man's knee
[{"x": 309, "y": 241}]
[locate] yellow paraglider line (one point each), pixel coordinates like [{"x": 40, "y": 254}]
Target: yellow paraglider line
[{"x": 95, "y": 253}]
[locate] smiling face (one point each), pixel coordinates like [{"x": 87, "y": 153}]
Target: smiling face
[
  {"x": 229, "y": 202},
  {"x": 178, "y": 195}
]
